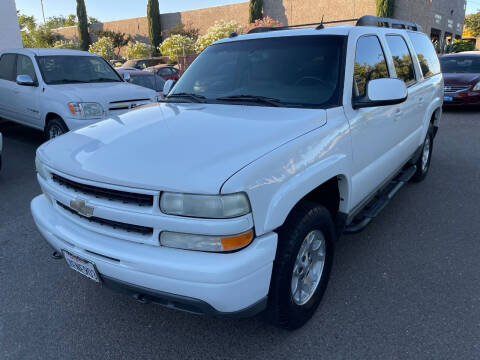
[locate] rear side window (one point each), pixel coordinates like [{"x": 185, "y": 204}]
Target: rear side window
[
  {"x": 25, "y": 67},
  {"x": 7, "y": 67},
  {"x": 370, "y": 64},
  {"x": 427, "y": 57},
  {"x": 402, "y": 59}
]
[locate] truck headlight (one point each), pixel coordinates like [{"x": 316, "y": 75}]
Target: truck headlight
[
  {"x": 205, "y": 243},
  {"x": 477, "y": 87},
  {"x": 86, "y": 110},
  {"x": 205, "y": 206}
]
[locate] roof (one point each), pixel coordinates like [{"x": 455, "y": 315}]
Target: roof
[
  {"x": 51, "y": 52},
  {"x": 463, "y": 53}
]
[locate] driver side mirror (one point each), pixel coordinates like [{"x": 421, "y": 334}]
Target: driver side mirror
[
  {"x": 126, "y": 77},
  {"x": 382, "y": 92},
  {"x": 25, "y": 80},
  {"x": 169, "y": 84}
]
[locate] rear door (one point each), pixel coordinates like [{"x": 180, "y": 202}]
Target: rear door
[{"x": 7, "y": 85}]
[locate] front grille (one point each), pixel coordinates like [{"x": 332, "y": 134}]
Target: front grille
[
  {"x": 142, "y": 230},
  {"x": 127, "y": 104},
  {"x": 455, "y": 88},
  {"x": 103, "y": 193}
]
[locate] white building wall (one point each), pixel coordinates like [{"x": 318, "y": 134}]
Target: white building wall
[{"x": 9, "y": 29}]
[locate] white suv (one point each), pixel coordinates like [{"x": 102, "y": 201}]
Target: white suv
[
  {"x": 58, "y": 90},
  {"x": 268, "y": 148}
]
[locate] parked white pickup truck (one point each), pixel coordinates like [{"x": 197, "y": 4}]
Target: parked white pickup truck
[
  {"x": 57, "y": 90},
  {"x": 229, "y": 197}
]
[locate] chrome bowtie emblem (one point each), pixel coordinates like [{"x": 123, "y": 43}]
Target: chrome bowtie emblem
[{"x": 81, "y": 207}]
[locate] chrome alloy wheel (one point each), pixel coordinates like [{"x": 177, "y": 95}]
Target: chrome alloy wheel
[
  {"x": 426, "y": 154},
  {"x": 308, "y": 268},
  {"x": 54, "y": 131}
]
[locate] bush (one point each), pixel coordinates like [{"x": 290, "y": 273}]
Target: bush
[
  {"x": 462, "y": 45},
  {"x": 265, "y": 22},
  {"x": 138, "y": 51},
  {"x": 177, "y": 45},
  {"x": 220, "y": 30},
  {"x": 61, "y": 44},
  {"x": 103, "y": 47}
]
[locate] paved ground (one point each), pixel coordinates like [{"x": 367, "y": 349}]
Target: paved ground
[{"x": 405, "y": 288}]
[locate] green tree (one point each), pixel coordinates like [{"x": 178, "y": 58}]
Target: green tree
[
  {"x": 34, "y": 35},
  {"x": 181, "y": 29},
  {"x": 83, "y": 36},
  {"x": 472, "y": 23},
  {"x": 221, "y": 29},
  {"x": 119, "y": 39},
  {"x": 154, "y": 28},
  {"x": 61, "y": 44},
  {"x": 462, "y": 45},
  {"x": 103, "y": 47},
  {"x": 92, "y": 20},
  {"x": 177, "y": 45},
  {"x": 385, "y": 8},
  {"x": 138, "y": 50},
  {"x": 256, "y": 10}
]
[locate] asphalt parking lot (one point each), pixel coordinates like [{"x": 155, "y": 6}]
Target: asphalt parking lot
[{"x": 408, "y": 287}]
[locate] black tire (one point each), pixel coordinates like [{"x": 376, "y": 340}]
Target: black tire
[
  {"x": 282, "y": 310},
  {"x": 422, "y": 170},
  {"x": 55, "y": 127}
]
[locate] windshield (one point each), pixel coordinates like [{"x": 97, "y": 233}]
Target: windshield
[
  {"x": 76, "y": 69},
  {"x": 298, "y": 71},
  {"x": 460, "y": 64}
]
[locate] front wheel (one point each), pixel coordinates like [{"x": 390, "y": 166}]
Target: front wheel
[
  {"x": 54, "y": 128},
  {"x": 423, "y": 163},
  {"x": 302, "y": 266}
]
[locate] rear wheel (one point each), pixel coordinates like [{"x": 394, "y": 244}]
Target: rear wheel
[
  {"x": 423, "y": 163},
  {"x": 302, "y": 266},
  {"x": 54, "y": 128}
]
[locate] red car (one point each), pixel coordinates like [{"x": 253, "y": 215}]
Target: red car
[
  {"x": 166, "y": 72},
  {"x": 461, "y": 73}
]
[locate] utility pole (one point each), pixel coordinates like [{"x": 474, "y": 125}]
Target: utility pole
[{"x": 43, "y": 12}]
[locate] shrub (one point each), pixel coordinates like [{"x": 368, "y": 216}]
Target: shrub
[
  {"x": 177, "y": 45},
  {"x": 462, "y": 45},
  {"x": 61, "y": 44},
  {"x": 265, "y": 22},
  {"x": 138, "y": 51},
  {"x": 103, "y": 47},
  {"x": 220, "y": 30}
]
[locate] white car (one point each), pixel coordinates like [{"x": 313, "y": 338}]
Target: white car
[
  {"x": 57, "y": 90},
  {"x": 268, "y": 148}
]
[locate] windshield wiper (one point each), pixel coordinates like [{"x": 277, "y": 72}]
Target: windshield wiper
[
  {"x": 68, "y": 81},
  {"x": 103, "y": 80},
  {"x": 194, "y": 97},
  {"x": 253, "y": 98}
]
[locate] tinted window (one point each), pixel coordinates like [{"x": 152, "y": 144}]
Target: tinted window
[
  {"x": 159, "y": 83},
  {"x": 460, "y": 64},
  {"x": 7, "y": 67},
  {"x": 164, "y": 72},
  {"x": 401, "y": 58},
  {"x": 76, "y": 69},
  {"x": 25, "y": 67},
  {"x": 426, "y": 54},
  {"x": 370, "y": 64},
  {"x": 147, "y": 81},
  {"x": 301, "y": 71}
]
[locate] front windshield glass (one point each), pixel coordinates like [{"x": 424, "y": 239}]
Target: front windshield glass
[
  {"x": 460, "y": 64},
  {"x": 298, "y": 71},
  {"x": 76, "y": 69}
]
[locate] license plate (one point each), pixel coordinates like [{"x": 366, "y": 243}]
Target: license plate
[
  {"x": 84, "y": 267},
  {"x": 448, "y": 98}
]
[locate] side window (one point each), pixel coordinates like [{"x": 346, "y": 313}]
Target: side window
[
  {"x": 25, "y": 67},
  {"x": 402, "y": 59},
  {"x": 370, "y": 64},
  {"x": 7, "y": 67},
  {"x": 427, "y": 57}
]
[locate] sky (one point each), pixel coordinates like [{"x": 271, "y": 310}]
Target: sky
[{"x": 106, "y": 10}]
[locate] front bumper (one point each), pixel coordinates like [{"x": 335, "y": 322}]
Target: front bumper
[
  {"x": 227, "y": 284},
  {"x": 465, "y": 98}
]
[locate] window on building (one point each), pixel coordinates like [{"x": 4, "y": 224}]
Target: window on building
[
  {"x": 427, "y": 57},
  {"x": 402, "y": 59},
  {"x": 7, "y": 67},
  {"x": 370, "y": 64}
]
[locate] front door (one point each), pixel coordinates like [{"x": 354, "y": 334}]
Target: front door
[{"x": 27, "y": 97}]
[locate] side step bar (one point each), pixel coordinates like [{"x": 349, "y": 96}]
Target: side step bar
[{"x": 379, "y": 202}]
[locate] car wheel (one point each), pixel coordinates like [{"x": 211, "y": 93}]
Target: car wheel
[
  {"x": 302, "y": 266},
  {"x": 423, "y": 163},
  {"x": 54, "y": 128}
]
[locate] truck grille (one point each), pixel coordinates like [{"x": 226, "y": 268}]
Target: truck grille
[
  {"x": 125, "y": 105},
  {"x": 455, "y": 88},
  {"x": 130, "y": 228},
  {"x": 103, "y": 193}
]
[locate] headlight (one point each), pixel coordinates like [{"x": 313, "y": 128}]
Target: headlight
[
  {"x": 205, "y": 206},
  {"x": 205, "y": 243},
  {"x": 86, "y": 110},
  {"x": 40, "y": 169},
  {"x": 477, "y": 87}
]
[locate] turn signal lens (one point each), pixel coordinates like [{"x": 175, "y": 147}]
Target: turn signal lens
[{"x": 237, "y": 242}]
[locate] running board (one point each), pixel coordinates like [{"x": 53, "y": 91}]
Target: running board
[{"x": 379, "y": 202}]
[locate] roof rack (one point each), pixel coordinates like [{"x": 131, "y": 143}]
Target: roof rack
[
  {"x": 370, "y": 20},
  {"x": 317, "y": 25}
]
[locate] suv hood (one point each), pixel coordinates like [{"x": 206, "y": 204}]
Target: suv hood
[
  {"x": 461, "y": 78},
  {"x": 177, "y": 147},
  {"x": 104, "y": 93}
]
